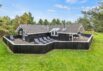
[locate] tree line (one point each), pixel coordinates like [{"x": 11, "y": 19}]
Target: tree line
[{"x": 8, "y": 25}]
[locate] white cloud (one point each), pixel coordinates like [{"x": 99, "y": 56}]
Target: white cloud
[
  {"x": 88, "y": 8},
  {"x": 71, "y": 1},
  {"x": 51, "y": 10},
  {"x": 83, "y": 1},
  {"x": 75, "y": 1},
  {"x": 15, "y": 9},
  {"x": 62, "y": 6}
]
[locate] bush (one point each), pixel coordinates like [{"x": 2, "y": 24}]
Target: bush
[{"x": 3, "y": 32}]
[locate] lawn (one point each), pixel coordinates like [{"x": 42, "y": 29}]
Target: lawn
[{"x": 55, "y": 60}]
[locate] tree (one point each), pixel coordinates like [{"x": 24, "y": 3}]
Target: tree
[
  {"x": 68, "y": 22},
  {"x": 46, "y": 22},
  {"x": 5, "y": 23},
  {"x": 93, "y": 18},
  {"x": 53, "y": 22},
  {"x": 8, "y": 25},
  {"x": 27, "y": 18},
  {"x": 31, "y": 19},
  {"x": 58, "y": 22},
  {"x": 6, "y": 20},
  {"x": 63, "y": 22},
  {"x": 41, "y": 22},
  {"x": 16, "y": 22},
  {"x": 85, "y": 22}
]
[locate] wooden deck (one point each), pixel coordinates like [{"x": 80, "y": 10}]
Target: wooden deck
[
  {"x": 20, "y": 46},
  {"x": 20, "y": 41}
]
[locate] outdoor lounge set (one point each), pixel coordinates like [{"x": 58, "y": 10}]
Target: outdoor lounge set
[{"x": 43, "y": 38}]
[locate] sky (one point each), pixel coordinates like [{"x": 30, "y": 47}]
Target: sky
[{"x": 69, "y": 10}]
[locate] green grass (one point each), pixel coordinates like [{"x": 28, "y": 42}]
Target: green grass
[{"x": 55, "y": 60}]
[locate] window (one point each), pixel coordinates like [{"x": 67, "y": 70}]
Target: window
[
  {"x": 21, "y": 32},
  {"x": 54, "y": 33}
]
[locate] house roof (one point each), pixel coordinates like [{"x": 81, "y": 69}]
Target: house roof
[
  {"x": 34, "y": 29},
  {"x": 74, "y": 28},
  {"x": 69, "y": 28}
]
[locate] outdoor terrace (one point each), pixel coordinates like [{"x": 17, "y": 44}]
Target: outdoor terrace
[
  {"x": 47, "y": 40},
  {"x": 47, "y": 43}
]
